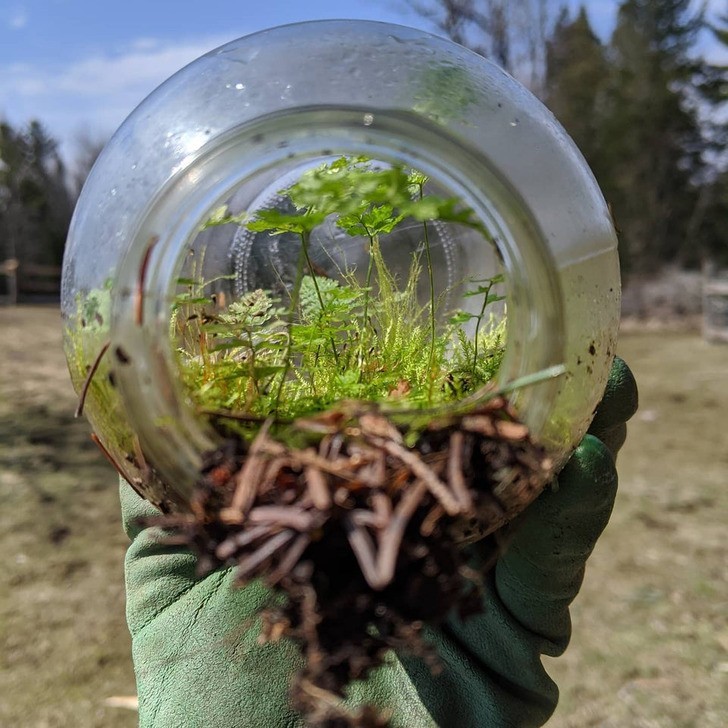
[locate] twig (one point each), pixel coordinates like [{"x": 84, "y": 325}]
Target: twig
[
  {"x": 382, "y": 505},
  {"x": 133, "y": 482},
  {"x": 248, "y": 478},
  {"x": 364, "y": 550},
  {"x": 271, "y": 473},
  {"x": 340, "y": 468},
  {"x": 425, "y": 473},
  {"x": 248, "y": 565},
  {"x": 455, "y": 471},
  {"x": 89, "y": 377},
  {"x": 231, "y": 545},
  {"x": 318, "y": 488},
  {"x": 431, "y": 519},
  {"x": 139, "y": 293},
  {"x": 288, "y": 516},
  {"x": 369, "y": 519},
  {"x": 378, "y": 566},
  {"x": 290, "y": 559},
  {"x": 237, "y": 416},
  {"x": 392, "y": 536}
]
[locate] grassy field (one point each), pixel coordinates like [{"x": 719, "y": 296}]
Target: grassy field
[{"x": 650, "y": 646}]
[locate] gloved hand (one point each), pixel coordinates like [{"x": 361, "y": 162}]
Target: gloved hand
[{"x": 195, "y": 647}]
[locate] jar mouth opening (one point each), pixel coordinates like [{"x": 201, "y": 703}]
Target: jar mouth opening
[{"x": 232, "y": 183}]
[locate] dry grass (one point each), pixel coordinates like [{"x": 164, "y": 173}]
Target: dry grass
[
  {"x": 650, "y": 644},
  {"x": 64, "y": 647}
]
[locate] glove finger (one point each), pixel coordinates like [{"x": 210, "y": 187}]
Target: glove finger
[
  {"x": 543, "y": 567},
  {"x": 619, "y": 402},
  {"x": 613, "y": 438}
]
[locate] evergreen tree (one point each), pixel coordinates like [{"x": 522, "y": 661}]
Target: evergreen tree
[
  {"x": 651, "y": 133},
  {"x": 35, "y": 203},
  {"x": 712, "y": 213},
  {"x": 576, "y": 76}
]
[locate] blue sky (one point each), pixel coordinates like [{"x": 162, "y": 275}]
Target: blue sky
[{"x": 80, "y": 66}]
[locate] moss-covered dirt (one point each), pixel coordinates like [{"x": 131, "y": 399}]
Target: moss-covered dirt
[{"x": 650, "y": 644}]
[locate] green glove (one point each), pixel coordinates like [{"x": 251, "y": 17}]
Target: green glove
[{"x": 195, "y": 645}]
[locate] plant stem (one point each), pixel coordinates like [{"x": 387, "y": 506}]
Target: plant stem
[
  {"x": 430, "y": 273},
  {"x": 252, "y": 362},
  {"x": 295, "y": 296},
  {"x": 477, "y": 325},
  {"x": 305, "y": 241},
  {"x": 367, "y": 286}
]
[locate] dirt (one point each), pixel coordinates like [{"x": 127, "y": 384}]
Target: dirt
[{"x": 650, "y": 644}]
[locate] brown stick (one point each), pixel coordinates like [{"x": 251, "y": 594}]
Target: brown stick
[
  {"x": 431, "y": 519},
  {"x": 455, "y": 471},
  {"x": 237, "y": 416},
  {"x": 89, "y": 377},
  {"x": 139, "y": 293},
  {"x": 369, "y": 519},
  {"x": 392, "y": 536},
  {"x": 271, "y": 473},
  {"x": 364, "y": 550},
  {"x": 318, "y": 488},
  {"x": 248, "y": 479},
  {"x": 229, "y": 546},
  {"x": 248, "y": 565},
  {"x": 339, "y": 468},
  {"x": 291, "y": 558},
  {"x": 382, "y": 505},
  {"x": 424, "y": 472},
  {"x": 378, "y": 566},
  {"x": 288, "y": 516},
  {"x": 110, "y": 457}
]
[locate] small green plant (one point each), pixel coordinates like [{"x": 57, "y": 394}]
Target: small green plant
[{"x": 346, "y": 338}]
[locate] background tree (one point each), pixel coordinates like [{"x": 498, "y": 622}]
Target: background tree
[
  {"x": 88, "y": 148},
  {"x": 511, "y": 33},
  {"x": 35, "y": 202},
  {"x": 576, "y": 77},
  {"x": 712, "y": 210},
  {"x": 650, "y": 134}
]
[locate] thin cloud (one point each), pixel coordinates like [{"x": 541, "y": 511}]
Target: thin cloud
[
  {"x": 18, "y": 19},
  {"x": 96, "y": 92}
]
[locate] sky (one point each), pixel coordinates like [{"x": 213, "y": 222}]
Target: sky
[{"x": 81, "y": 66}]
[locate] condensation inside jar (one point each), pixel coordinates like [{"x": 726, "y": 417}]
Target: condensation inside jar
[{"x": 338, "y": 278}]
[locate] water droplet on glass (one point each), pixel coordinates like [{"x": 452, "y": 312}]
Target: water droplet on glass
[{"x": 368, "y": 119}]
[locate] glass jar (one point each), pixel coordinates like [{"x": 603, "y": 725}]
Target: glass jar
[{"x": 239, "y": 124}]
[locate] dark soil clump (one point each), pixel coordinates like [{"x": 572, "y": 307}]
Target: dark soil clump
[{"x": 365, "y": 537}]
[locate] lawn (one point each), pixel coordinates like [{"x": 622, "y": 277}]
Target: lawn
[{"x": 650, "y": 645}]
